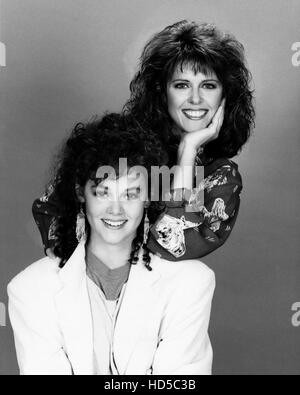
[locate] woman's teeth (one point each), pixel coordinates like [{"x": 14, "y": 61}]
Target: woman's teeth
[
  {"x": 114, "y": 224},
  {"x": 195, "y": 115}
]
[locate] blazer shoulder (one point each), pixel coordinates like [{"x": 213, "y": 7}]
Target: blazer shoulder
[
  {"x": 41, "y": 275},
  {"x": 191, "y": 271}
]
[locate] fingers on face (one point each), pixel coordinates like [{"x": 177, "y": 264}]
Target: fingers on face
[
  {"x": 218, "y": 120},
  {"x": 222, "y": 116},
  {"x": 222, "y": 113},
  {"x": 218, "y": 117}
]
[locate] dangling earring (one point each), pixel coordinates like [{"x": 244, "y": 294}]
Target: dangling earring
[
  {"x": 146, "y": 228},
  {"x": 80, "y": 227}
]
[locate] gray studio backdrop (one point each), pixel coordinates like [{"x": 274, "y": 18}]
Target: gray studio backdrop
[{"x": 70, "y": 59}]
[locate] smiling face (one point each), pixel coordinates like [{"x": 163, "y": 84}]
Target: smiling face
[
  {"x": 115, "y": 208},
  {"x": 193, "y": 99}
]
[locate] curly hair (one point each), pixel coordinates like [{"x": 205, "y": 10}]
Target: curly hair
[
  {"x": 204, "y": 48},
  {"x": 101, "y": 142}
]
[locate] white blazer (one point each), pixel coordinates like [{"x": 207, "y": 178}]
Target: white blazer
[{"x": 162, "y": 327}]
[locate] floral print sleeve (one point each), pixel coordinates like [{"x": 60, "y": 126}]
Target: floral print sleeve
[
  {"x": 46, "y": 212},
  {"x": 193, "y": 229}
]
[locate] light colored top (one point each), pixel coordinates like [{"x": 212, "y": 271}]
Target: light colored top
[
  {"x": 106, "y": 288},
  {"x": 161, "y": 327},
  {"x": 104, "y": 316}
]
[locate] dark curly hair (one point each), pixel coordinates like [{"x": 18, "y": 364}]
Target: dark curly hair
[
  {"x": 205, "y": 49},
  {"x": 101, "y": 142}
]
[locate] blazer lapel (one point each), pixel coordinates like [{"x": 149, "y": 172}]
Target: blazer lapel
[
  {"x": 136, "y": 305},
  {"x": 74, "y": 312}
]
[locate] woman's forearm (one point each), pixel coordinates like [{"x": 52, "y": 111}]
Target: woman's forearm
[{"x": 184, "y": 174}]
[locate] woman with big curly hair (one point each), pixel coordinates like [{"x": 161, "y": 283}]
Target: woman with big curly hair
[
  {"x": 192, "y": 89},
  {"x": 105, "y": 305}
]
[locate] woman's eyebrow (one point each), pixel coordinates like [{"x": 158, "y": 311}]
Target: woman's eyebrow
[
  {"x": 137, "y": 188},
  {"x": 132, "y": 189},
  {"x": 99, "y": 186},
  {"x": 205, "y": 80},
  {"x": 180, "y": 79},
  {"x": 211, "y": 80}
]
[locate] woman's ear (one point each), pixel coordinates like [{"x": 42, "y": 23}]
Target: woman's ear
[{"x": 79, "y": 193}]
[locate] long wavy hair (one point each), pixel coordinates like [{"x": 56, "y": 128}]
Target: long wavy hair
[
  {"x": 204, "y": 48},
  {"x": 101, "y": 142}
]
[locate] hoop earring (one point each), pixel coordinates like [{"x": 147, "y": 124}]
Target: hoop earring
[
  {"x": 146, "y": 228},
  {"x": 80, "y": 227}
]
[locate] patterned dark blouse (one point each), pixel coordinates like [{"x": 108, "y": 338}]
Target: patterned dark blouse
[{"x": 179, "y": 233}]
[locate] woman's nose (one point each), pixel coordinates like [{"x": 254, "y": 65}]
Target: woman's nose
[
  {"x": 195, "y": 97},
  {"x": 115, "y": 208}
]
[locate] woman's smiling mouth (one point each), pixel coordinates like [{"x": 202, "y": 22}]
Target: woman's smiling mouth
[
  {"x": 115, "y": 225},
  {"x": 195, "y": 115}
]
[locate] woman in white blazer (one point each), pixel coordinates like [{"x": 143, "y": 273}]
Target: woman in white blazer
[{"x": 105, "y": 305}]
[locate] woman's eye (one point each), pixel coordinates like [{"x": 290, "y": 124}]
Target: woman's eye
[
  {"x": 181, "y": 86},
  {"x": 209, "y": 86},
  {"x": 131, "y": 196},
  {"x": 101, "y": 193}
]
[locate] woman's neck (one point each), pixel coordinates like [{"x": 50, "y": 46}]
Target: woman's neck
[{"x": 113, "y": 256}]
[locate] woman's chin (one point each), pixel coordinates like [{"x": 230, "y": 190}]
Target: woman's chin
[
  {"x": 114, "y": 239},
  {"x": 193, "y": 126},
  {"x": 193, "y": 129}
]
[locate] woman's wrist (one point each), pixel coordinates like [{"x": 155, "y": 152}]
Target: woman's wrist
[
  {"x": 186, "y": 154},
  {"x": 184, "y": 174}
]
